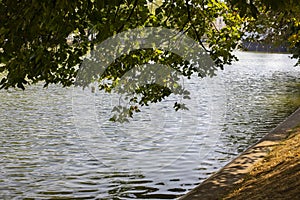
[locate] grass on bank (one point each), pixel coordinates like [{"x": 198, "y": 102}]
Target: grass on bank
[{"x": 276, "y": 177}]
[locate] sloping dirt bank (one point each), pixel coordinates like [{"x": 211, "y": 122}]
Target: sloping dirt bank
[
  {"x": 277, "y": 176},
  {"x": 274, "y": 160}
]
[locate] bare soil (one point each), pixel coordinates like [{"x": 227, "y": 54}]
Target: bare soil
[{"x": 276, "y": 177}]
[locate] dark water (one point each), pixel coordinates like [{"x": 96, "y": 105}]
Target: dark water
[{"x": 53, "y": 145}]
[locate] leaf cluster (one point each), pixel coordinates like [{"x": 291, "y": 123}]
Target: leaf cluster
[{"x": 48, "y": 41}]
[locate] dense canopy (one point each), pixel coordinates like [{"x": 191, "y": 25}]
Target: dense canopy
[{"x": 48, "y": 40}]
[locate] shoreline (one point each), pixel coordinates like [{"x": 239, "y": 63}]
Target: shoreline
[{"x": 228, "y": 177}]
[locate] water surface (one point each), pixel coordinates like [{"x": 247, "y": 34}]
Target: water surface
[{"x": 47, "y": 151}]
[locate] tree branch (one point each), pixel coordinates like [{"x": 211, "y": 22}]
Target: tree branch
[
  {"x": 193, "y": 26},
  {"x": 129, "y": 16}
]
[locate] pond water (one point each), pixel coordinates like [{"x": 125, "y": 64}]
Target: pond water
[{"x": 57, "y": 142}]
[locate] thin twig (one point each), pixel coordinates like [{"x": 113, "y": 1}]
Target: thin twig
[
  {"x": 193, "y": 26},
  {"x": 129, "y": 16}
]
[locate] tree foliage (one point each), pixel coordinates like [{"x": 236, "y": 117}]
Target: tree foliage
[
  {"x": 273, "y": 22},
  {"x": 34, "y": 45},
  {"x": 48, "y": 40}
]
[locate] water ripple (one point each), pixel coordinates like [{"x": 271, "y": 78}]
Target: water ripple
[{"x": 43, "y": 157}]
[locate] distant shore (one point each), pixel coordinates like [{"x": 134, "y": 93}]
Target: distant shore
[{"x": 260, "y": 47}]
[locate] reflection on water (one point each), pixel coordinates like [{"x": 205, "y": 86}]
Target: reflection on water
[{"x": 43, "y": 156}]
